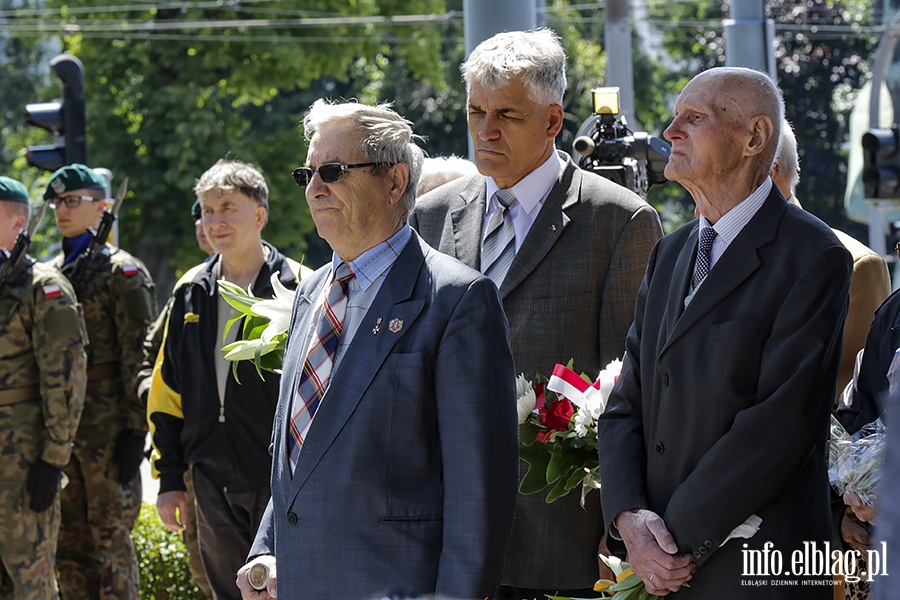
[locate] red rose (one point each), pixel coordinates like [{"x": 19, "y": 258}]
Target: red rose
[
  {"x": 543, "y": 436},
  {"x": 558, "y": 415}
]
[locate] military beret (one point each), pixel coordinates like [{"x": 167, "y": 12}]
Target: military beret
[
  {"x": 73, "y": 177},
  {"x": 12, "y": 190},
  {"x": 196, "y": 209}
]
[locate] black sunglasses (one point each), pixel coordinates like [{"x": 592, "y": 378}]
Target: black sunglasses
[{"x": 329, "y": 172}]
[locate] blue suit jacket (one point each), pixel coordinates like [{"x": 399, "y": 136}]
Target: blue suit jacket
[{"x": 407, "y": 478}]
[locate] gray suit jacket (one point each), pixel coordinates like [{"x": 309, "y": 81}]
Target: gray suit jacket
[
  {"x": 722, "y": 408},
  {"x": 406, "y": 481},
  {"x": 569, "y": 293}
]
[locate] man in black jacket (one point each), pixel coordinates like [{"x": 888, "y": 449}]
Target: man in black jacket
[{"x": 199, "y": 414}]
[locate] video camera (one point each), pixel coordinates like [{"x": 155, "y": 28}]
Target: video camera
[{"x": 608, "y": 148}]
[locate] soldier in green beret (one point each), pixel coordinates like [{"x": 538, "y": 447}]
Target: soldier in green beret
[
  {"x": 42, "y": 379},
  {"x": 101, "y": 503}
]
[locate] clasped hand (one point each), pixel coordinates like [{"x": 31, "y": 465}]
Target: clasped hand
[{"x": 652, "y": 552}]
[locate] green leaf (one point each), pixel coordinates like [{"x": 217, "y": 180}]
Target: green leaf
[
  {"x": 560, "y": 464},
  {"x": 537, "y": 456},
  {"x": 237, "y": 297}
]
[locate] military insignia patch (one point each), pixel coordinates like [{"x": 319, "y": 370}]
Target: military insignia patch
[
  {"x": 58, "y": 186},
  {"x": 129, "y": 270},
  {"x": 52, "y": 291}
]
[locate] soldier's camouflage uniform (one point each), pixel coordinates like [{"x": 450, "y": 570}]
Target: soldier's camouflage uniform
[
  {"x": 42, "y": 381},
  {"x": 95, "y": 556}
]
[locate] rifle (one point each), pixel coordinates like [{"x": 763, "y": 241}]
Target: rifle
[
  {"x": 20, "y": 248},
  {"x": 98, "y": 239}
]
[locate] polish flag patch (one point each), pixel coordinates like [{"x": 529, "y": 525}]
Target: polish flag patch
[
  {"x": 52, "y": 291},
  {"x": 129, "y": 270}
]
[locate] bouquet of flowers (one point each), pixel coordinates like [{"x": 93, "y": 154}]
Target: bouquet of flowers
[
  {"x": 627, "y": 586},
  {"x": 558, "y": 429},
  {"x": 266, "y": 321},
  {"x": 854, "y": 462}
]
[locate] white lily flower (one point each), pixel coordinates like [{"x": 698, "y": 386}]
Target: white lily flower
[
  {"x": 608, "y": 377},
  {"x": 525, "y": 398},
  {"x": 242, "y": 349}
]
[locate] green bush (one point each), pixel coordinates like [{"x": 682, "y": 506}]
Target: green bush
[{"x": 162, "y": 560}]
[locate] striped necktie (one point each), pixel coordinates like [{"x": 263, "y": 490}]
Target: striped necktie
[
  {"x": 704, "y": 256},
  {"x": 319, "y": 361},
  {"x": 499, "y": 248}
]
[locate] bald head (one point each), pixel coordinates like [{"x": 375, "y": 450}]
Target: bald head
[{"x": 748, "y": 95}]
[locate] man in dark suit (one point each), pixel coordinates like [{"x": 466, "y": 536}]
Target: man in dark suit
[
  {"x": 720, "y": 415},
  {"x": 579, "y": 252},
  {"x": 394, "y": 457}
]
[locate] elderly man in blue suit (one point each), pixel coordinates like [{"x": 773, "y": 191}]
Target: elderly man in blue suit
[{"x": 395, "y": 445}]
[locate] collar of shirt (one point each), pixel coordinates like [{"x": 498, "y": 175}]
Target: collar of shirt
[
  {"x": 530, "y": 193},
  {"x": 74, "y": 246},
  {"x": 733, "y": 222},
  {"x": 369, "y": 265}
]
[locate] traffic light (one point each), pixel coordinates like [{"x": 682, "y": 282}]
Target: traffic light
[
  {"x": 881, "y": 163},
  {"x": 63, "y": 117}
]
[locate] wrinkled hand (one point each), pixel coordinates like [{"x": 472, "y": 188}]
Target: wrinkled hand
[
  {"x": 860, "y": 509},
  {"x": 652, "y": 552},
  {"x": 172, "y": 509},
  {"x": 854, "y": 532},
  {"x": 42, "y": 485},
  {"x": 129, "y": 453},
  {"x": 247, "y": 591}
]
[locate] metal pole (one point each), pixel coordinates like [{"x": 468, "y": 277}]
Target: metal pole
[
  {"x": 618, "y": 57},
  {"x": 748, "y": 37}
]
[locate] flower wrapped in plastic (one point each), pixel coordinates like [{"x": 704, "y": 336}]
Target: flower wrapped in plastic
[
  {"x": 558, "y": 429},
  {"x": 266, "y": 321},
  {"x": 854, "y": 462}
]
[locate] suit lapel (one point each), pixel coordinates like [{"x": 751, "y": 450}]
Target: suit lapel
[
  {"x": 546, "y": 229},
  {"x": 364, "y": 357},
  {"x": 468, "y": 221},
  {"x": 740, "y": 260}
]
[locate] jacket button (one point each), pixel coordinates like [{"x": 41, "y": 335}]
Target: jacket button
[
  {"x": 703, "y": 549},
  {"x": 697, "y": 554},
  {"x": 660, "y": 448},
  {"x": 708, "y": 543},
  {"x": 292, "y": 518},
  {"x": 665, "y": 381}
]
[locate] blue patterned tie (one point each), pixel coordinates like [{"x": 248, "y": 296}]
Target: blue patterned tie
[
  {"x": 499, "y": 248},
  {"x": 704, "y": 256},
  {"x": 319, "y": 361}
]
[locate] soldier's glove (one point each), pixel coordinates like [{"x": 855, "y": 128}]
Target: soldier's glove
[
  {"x": 42, "y": 484},
  {"x": 129, "y": 454}
]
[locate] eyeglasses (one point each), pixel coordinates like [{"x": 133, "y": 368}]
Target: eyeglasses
[
  {"x": 329, "y": 172},
  {"x": 71, "y": 201}
]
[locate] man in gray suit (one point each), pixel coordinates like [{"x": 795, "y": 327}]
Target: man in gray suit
[
  {"x": 720, "y": 415},
  {"x": 394, "y": 445},
  {"x": 568, "y": 282}
]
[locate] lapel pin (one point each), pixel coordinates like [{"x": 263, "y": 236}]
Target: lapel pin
[
  {"x": 553, "y": 228},
  {"x": 377, "y": 327},
  {"x": 395, "y": 325}
]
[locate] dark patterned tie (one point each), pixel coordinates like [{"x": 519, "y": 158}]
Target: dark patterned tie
[
  {"x": 704, "y": 256},
  {"x": 319, "y": 361},
  {"x": 499, "y": 247}
]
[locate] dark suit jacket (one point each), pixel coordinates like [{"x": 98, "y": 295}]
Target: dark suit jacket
[
  {"x": 406, "y": 481},
  {"x": 722, "y": 408},
  {"x": 569, "y": 293}
]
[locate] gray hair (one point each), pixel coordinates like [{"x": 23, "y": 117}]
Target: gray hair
[
  {"x": 234, "y": 175},
  {"x": 788, "y": 157},
  {"x": 442, "y": 169},
  {"x": 536, "y": 56},
  {"x": 385, "y": 137}
]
